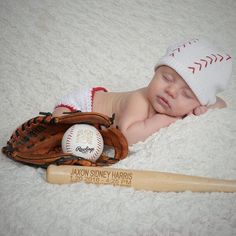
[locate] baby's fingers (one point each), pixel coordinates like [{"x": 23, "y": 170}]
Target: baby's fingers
[{"x": 200, "y": 110}]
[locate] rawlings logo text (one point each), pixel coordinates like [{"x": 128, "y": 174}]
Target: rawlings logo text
[{"x": 84, "y": 150}]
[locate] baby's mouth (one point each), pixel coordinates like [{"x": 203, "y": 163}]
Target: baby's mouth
[{"x": 164, "y": 102}]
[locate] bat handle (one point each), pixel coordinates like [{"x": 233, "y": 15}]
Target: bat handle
[{"x": 170, "y": 182}]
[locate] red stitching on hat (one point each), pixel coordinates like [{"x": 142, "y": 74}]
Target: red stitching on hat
[
  {"x": 221, "y": 58},
  {"x": 228, "y": 57},
  {"x": 212, "y": 58},
  {"x": 199, "y": 64},
  {"x": 204, "y": 61},
  {"x": 192, "y": 68},
  {"x": 182, "y": 46}
]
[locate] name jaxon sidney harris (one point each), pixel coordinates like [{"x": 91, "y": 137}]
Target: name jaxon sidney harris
[{"x": 106, "y": 174}]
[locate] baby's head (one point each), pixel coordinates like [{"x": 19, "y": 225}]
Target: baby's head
[{"x": 203, "y": 67}]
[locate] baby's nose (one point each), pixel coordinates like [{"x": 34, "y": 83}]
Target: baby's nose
[{"x": 172, "y": 90}]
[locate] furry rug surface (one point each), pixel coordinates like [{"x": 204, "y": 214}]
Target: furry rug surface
[{"x": 51, "y": 47}]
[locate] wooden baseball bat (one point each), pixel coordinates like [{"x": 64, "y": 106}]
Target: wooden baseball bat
[{"x": 137, "y": 179}]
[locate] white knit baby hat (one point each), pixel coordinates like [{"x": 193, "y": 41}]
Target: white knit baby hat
[{"x": 205, "y": 69}]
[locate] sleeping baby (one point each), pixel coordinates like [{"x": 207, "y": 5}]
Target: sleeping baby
[{"x": 186, "y": 81}]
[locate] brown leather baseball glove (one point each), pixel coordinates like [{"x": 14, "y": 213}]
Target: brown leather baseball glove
[{"x": 37, "y": 142}]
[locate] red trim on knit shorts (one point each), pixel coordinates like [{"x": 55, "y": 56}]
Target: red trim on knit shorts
[
  {"x": 94, "y": 90},
  {"x": 66, "y": 106}
]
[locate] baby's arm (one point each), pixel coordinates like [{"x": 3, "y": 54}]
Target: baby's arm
[
  {"x": 140, "y": 130},
  {"x": 67, "y": 103},
  {"x": 220, "y": 103},
  {"x": 138, "y": 120}
]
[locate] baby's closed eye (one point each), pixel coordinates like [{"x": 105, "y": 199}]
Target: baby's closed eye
[
  {"x": 168, "y": 78},
  {"x": 187, "y": 93}
]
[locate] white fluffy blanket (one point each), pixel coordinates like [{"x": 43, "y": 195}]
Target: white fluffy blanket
[{"x": 49, "y": 48}]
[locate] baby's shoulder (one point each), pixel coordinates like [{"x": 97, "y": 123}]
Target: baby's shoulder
[
  {"x": 137, "y": 101},
  {"x": 139, "y": 96}
]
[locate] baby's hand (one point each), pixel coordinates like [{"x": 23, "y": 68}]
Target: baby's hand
[
  {"x": 220, "y": 103},
  {"x": 200, "y": 110}
]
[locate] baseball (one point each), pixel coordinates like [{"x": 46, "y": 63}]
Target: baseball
[{"x": 84, "y": 141}]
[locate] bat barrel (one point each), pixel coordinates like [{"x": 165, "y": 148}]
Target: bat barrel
[{"x": 137, "y": 179}]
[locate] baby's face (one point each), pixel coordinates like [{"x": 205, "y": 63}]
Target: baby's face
[{"x": 169, "y": 94}]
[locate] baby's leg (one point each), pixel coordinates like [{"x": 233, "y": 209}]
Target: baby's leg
[
  {"x": 68, "y": 103},
  {"x": 59, "y": 111}
]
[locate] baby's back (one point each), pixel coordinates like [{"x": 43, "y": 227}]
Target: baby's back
[{"x": 118, "y": 103}]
